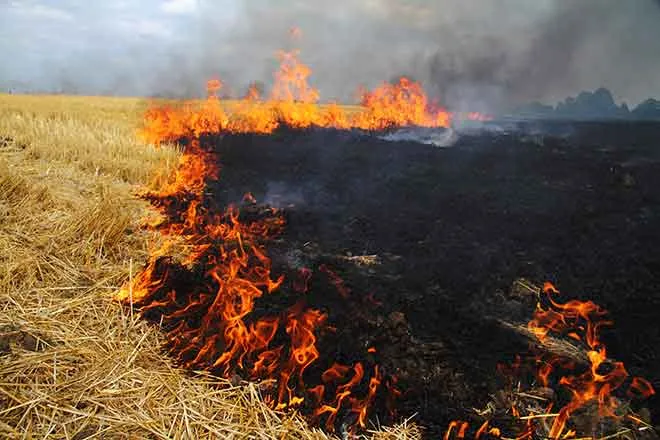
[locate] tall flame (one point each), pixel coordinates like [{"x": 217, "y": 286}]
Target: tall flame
[
  {"x": 207, "y": 303},
  {"x": 294, "y": 103}
]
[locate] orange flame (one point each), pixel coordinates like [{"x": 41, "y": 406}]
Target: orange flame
[
  {"x": 398, "y": 105},
  {"x": 580, "y": 321},
  {"x": 212, "y": 325},
  {"x": 211, "y": 322},
  {"x": 294, "y": 103},
  {"x": 291, "y": 80},
  {"x": 460, "y": 427},
  {"x": 583, "y": 320}
]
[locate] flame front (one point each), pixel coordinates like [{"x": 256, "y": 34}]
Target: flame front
[
  {"x": 294, "y": 103},
  {"x": 211, "y": 321},
  {"x": 207, "y": 303}
]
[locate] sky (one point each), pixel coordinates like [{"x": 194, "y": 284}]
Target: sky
[{"x": 471, "y": 54}]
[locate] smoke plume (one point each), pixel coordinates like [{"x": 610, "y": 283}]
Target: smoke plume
[{"x": 470, "y": 54}]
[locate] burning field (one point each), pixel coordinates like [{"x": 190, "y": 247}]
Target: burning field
[
  {"x": 339, "y": 270},
  {"x": 361, "y": 280}
]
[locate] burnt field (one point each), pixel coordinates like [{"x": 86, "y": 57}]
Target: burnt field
[{"x": 421, "y": 245}]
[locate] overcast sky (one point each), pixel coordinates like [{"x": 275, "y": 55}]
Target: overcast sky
[{"x": 470, "y": 53}]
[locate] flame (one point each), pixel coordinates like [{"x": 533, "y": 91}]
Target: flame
[
  {"x": 291, "y": 80},
  {"x": 207, "y": 303},
  {"x": 293, "y": 102},
  {"x": 399, "y": 105},
  {"x": 211, "y": 322},
  {"x": 460, "y": 427},
  {"x": 580, "y": 321}
]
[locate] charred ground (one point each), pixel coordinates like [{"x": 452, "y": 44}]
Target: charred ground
[{"x": 428, "y": 242}]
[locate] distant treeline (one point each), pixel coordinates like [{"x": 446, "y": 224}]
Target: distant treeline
[{"x": 591, "y": 105}]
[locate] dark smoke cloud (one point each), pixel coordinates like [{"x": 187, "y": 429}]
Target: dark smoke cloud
[
  {"x": 487, "y": 55},
  {"x": 578, "y": 45}
]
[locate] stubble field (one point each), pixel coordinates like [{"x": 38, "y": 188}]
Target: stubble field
[{"x": 73, "y": 363}]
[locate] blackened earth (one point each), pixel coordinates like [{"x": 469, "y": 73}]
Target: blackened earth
[{"x": 577, "y": 204}]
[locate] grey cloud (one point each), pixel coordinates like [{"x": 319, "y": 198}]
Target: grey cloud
[
  {"x": 471, "y": 54},
  {"x": 74, "y": 46},
  {"x": 468, "y": 52}
]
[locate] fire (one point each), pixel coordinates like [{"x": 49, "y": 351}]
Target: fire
[
  {"x": 210, "y": 320},
  {"x": 208, "y": 302},
  {"x": 294, "y": 103},
  {"x": 399, "y": 105},
  {"x": 291, "y": 80},
  {"x": 581, "y": 321}
]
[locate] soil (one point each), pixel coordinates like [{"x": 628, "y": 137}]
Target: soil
[
  {"x": 428, "y": 242},
  {"x": 13, "y": 337}
]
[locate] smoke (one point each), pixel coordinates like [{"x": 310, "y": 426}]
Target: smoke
[
  {"x": 569, "y": 47},
  {"x": 470, "y": 54}
]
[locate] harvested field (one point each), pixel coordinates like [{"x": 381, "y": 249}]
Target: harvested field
[
  {"x": 414, "y": 256},
  {"x": 73, "y": 363}
]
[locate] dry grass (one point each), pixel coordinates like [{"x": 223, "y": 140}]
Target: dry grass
[{"x": 73, "y": 364}]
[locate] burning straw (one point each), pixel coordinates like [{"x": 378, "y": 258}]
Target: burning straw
[
  {"x": 73, "y": 365},
  {"x": 597, "y": 386},
  {"x": 206, "y": 303}
]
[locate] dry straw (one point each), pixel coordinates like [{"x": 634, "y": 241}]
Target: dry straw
[{"x": 73, "y": 364}]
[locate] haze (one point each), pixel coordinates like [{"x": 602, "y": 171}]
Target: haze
[{"x": 471, "y": 54}]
